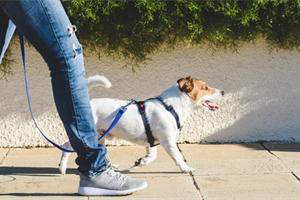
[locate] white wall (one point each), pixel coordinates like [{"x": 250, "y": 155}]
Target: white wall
[{"x": 261, "y": 99}]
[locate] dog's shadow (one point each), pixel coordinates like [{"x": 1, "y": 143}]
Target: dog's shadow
[
  {"x": 143, "y": 173},
  {"x": 49, "y": 171},
  {"x": 40, "y": 194},
  {"x": 33, "y": 171}
]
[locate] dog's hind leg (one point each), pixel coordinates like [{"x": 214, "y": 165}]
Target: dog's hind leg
[
  {"x": 151, "y": 155},
  {"x": 64, "y": 158}
]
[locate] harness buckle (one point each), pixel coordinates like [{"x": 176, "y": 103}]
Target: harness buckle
[
  {"x": 141, "y": 107},
  {"x": 169, "y": 108}
]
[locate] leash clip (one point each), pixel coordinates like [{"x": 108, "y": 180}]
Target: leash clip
[{"x": 125, "y": 107}]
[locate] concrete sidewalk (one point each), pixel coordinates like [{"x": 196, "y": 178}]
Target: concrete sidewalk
[{"x": 223, "y": 171}]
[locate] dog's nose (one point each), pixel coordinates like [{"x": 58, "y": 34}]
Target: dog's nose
[{"x": 222, "y": 92}]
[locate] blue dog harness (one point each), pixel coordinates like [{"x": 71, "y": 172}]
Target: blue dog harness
[{"x": 142, "y": 108}]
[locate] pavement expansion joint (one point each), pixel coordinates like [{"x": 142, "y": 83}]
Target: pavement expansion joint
[
  {"x": 280, "y": 161},
  {"x": 192, "y": 176},
  {"x": 1, "y": 161}
]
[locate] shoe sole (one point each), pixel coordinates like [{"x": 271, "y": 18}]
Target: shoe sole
[{"x": 90, "y": 191}]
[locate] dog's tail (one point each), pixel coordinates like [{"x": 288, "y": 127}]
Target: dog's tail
[{"x": 95, "y": 81}]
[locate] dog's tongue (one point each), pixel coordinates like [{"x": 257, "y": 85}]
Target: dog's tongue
[{"x": 212, "y": 105}]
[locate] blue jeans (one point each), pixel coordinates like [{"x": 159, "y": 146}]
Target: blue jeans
[{"x": 46, "y": 26}]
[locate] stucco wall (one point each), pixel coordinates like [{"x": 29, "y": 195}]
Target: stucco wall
[{"x": 261, "y": 99}]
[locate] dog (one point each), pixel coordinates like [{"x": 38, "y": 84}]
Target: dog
[{"x": 186, "y": 96}]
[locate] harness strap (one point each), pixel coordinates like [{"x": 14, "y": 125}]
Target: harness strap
[
  {"x": 149, "y": 134},
  {"x": 142, "y": 107},
  {"x": 172, "y": 111}
]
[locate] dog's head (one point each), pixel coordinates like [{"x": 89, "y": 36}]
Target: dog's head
[{"x": 200, "y": 92}]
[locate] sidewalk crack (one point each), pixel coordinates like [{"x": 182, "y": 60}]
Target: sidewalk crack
[
  {"x": 5, "y": 156},
  {"x": 192, "y": 176},
  {"x": 298, "y": 178}
]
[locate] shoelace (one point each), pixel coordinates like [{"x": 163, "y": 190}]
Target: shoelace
[
  {"x": 115, "y": 174},
  {"x": 111, "y": 172}
]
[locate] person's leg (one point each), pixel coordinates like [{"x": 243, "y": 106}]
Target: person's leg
[{"x": 47, "y": 27}]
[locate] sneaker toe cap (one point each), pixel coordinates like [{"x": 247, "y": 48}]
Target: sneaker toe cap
[{"x": 134, "y": 184}]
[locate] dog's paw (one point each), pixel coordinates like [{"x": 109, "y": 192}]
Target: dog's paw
[
  {"x": 142, "y": 161},
  {"x": 188, "y": 170},
  {"x": 114, "y": 166},
  {"x": 62, "y": 169}
]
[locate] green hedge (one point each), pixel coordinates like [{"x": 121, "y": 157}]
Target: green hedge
[{"x": 131, "y": 30}]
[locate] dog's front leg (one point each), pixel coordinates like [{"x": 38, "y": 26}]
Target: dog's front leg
[
  {"x": 173, "y": 151},
  {"x": 151, "y": 155}
]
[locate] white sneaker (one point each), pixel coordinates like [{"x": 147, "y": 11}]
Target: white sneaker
[{"x": 109, "y": 182}]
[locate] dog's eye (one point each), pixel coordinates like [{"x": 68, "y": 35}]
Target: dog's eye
[{"x": 205, "y": 88}]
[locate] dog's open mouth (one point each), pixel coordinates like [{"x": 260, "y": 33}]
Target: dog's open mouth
[{"x": 211, "y": 106}]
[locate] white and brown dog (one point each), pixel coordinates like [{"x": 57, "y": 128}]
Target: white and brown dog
[{"x": 186, "y": 96}]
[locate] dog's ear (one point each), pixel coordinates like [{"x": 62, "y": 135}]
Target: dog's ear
[{"x": 186, "y": 84}]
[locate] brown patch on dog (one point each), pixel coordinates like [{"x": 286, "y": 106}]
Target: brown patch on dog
[
  {"x": 194, "y": 88},
  {"x": 186, "y": 84},
  {"x": 100, "y": 132}
]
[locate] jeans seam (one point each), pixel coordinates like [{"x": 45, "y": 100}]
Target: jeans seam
[{"x": 67, "y": 64}]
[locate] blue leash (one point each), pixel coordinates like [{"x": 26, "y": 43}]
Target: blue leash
[{"x": 115, "y": 121}]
